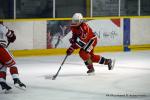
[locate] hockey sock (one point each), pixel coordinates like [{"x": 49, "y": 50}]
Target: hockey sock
[
  {"x": 103, "y": 61},
  {"x": 3, "y": 74},
  {"x": 14, "y": 72},
  {"x": 89, "y": 64}
]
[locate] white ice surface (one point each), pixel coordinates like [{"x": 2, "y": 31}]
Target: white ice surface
[{"x": 130, "y": 79}]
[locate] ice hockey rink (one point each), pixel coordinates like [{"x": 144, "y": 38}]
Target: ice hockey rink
[{"x": 130, "y": 79}]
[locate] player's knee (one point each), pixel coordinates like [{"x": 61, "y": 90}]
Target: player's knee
[
  {"x": 10, "y": 63},
  {"x": 95, "y": 58},
  {"x": 84, "y": 55}
]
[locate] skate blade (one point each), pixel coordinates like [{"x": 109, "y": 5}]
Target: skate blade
[
  {"x": 21, "y": 88},
  {"x": 6, "y": 91},
  {"x": 113, "y": 64}
]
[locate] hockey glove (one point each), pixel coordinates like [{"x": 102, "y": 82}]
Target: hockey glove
[
  {"x": 70, "y": 51},
  {"x": 72, "y": 40},
  {"x": 11, "y": 37}
]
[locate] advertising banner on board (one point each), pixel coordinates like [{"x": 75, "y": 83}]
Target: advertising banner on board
[{"x": 109, "y": 32}]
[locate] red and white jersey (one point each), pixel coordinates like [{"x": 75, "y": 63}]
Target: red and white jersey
[
  {"x": 6, "y": 58},
  {"x": 83, "y": 35},
  {"x": 3, "y": 32}
]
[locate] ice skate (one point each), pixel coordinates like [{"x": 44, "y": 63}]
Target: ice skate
[
  {"x": 5, "y": 88},
  {"x": 91, "y": 71},
  {"x": 111, "y": 64},
  {"x": 19, "y": 84}
]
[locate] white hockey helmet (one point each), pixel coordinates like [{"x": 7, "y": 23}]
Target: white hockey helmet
[{"x": 77, "y": 18}]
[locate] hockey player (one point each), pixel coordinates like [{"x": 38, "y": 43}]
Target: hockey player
[
  {"x": 6, "y": 59},
  {"x": 84, "y": 38}
]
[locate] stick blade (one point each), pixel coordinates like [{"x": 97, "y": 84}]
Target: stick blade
[
  {"x": 54, "y": 77},
  {"x": 48, "y": 76}
]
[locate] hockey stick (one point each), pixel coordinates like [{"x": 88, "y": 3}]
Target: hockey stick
[
  {"x": 7, "y": 44},
  {"x": 54, "y": 77}
]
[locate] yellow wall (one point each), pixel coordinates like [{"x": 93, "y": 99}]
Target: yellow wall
[{"x": 62, "y": 51}]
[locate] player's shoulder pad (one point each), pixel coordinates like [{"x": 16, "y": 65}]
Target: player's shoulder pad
[{"x": 84, "y": 26}]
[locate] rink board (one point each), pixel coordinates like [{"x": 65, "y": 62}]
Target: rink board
[{"x": 33, "y": 39}]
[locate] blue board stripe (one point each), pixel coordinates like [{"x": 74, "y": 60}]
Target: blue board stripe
[{"x": 126, "y": 34}]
